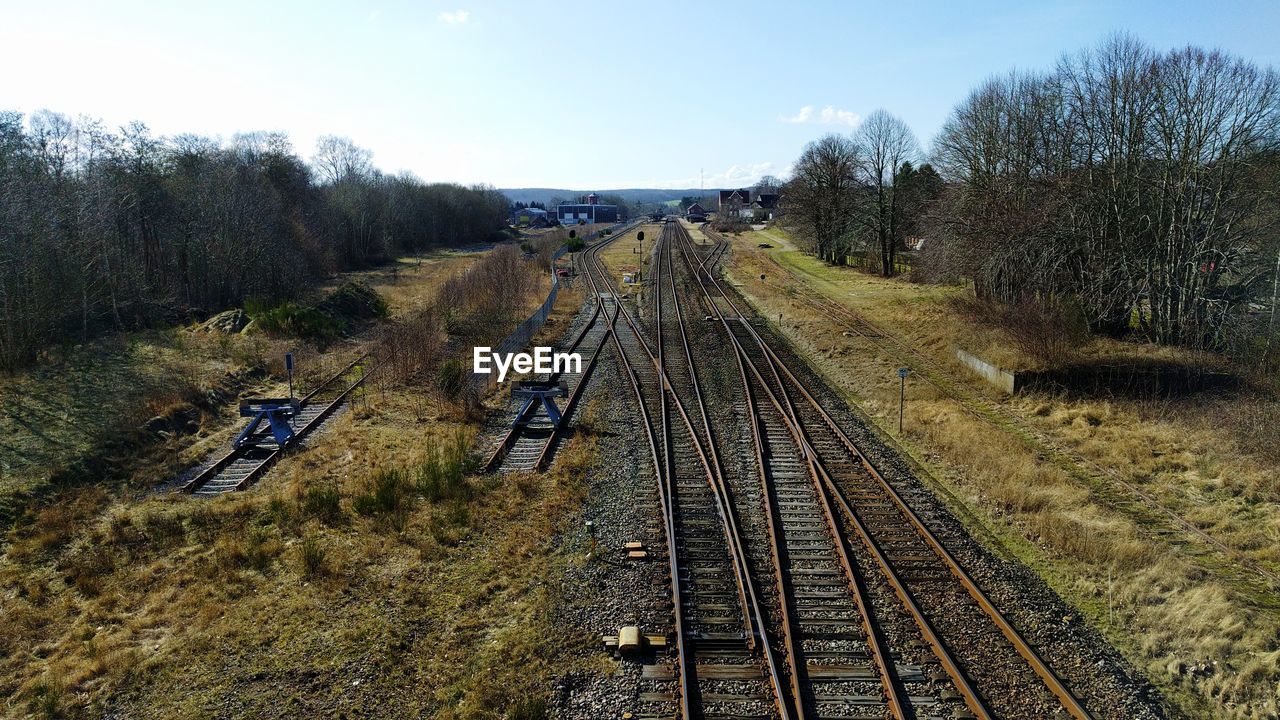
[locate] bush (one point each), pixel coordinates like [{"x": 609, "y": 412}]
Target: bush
[
  {"x": 294, "y": 320},
  {"x": 386, "y": 493},
  {"x": 451, "y": 380},
  {"x": 443, "y": 474},
  {"x": 574, "y": 244},
  {"x": 323, "y": 502},
  {"x": 353, "y": 301},
  {"x": 1049, "y": 331},
  {"x": 313, "y": 557}
]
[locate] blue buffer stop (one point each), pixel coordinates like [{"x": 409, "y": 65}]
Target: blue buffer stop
[{"x": 277, "y": 412}]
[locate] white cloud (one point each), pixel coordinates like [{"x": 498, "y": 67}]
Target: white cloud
[
  {"x": 734, "y": 176},
  {"x": 804, "y": 116},
  {"x": 457, "y": 17},
  {"x": 829, "y": 115}
]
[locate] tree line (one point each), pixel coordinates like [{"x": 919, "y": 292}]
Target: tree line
[
  {"x": 861, "y": 195},
  {"x": 103, "y": 229},
  {"x": 1134, "y": 188}
]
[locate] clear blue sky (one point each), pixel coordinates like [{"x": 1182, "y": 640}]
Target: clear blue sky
[{"x": 579, "y": 95}]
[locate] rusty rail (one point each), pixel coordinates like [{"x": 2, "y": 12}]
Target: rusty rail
[
  {"x": 1055, "y": 684},
  {"x": 274, "y": 456}
]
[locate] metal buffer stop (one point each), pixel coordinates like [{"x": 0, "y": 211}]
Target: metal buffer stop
[
  {"x": 539, "y": 395},
  {"x": 278, "y": 413}
]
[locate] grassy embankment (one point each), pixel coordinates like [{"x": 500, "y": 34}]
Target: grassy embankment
[
  {"x": 1052, "y": 480},
  {"x": 623, "y": 255},
  {"x": 367, "y": 576}
]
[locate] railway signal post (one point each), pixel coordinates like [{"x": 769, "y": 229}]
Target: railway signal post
[{"x": 902, "y": 394}]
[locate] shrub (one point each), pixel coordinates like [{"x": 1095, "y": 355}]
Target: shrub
[
  {"x": 354, "y": 300},
  {"x": 451, "y": 380},
  {"x": 281, "y": 514},
  {"x": 1047, "y": 330},
  {"x": 294, "y": 320},
  {"x": 574, "y": 244},
  {"x": 386, "y": 492},
  {"x": 313, "y": 557},
  {"x": 323, "y": 502},
  {"x": 443, "y": 474}
]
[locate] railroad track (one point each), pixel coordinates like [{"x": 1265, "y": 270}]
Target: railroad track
[
  {"x": 838, "y": 657},
  {"x": 531, "y": 441},
  {"x": 990, "y": 666},
  {"x": 245, "y": 465},
  {"x": 821, "y": 593},
  {"x": 1126, "y": 497},
  {"x": 721, "y": 668}
]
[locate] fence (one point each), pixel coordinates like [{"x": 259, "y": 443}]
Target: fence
[{"x": 523, "y": 333}]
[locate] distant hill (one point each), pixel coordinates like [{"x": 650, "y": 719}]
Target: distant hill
[{"x": 633, "y": 195}]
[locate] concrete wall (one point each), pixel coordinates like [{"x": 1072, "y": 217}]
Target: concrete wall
[{"x": 1002, "y": 379}]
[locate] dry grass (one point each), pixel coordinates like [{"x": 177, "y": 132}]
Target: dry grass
[
  {"x": 623, "y": 255},
  {"x": 246, "y": 604},
  {"x": 77, "y": 416},
  {"x": 1044, "y": 475},
  {"x": 370, "y": 575}
]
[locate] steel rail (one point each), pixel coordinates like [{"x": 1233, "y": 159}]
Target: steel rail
[
  {"x": 221, "y": 464},
  {"x": 677, "y": 596},
  {"x": 787, "y": 625},
  {"x": 714, "y": 473},
  {"x": 737, "y": 554},
  {"x": 720, "y": 486},
  {"x": 516, "y": 430},
  {"x": 548, "y": 450},
  {"x": 938, "y": 647},
  {"x": 881, "y": 658},
  {"x": 1023, "y": 648}
]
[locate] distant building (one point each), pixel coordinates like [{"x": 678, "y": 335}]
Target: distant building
[
  {"x": 765, "y": 206},
  {"x": 591, "y": 212},
  {"x": 530, "y": 217},
  {"x": 732, "y": 202},
  {"x": 695, "y": 213}
]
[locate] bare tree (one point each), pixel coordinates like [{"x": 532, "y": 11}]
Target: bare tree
[
  {"x": 338, "y": 158},
  {"x": 884, "y": 143},
  {"x": 822, "y": 195},
  {"x": 1132, "y": 183},
  {"x": 767, "y": 184}
]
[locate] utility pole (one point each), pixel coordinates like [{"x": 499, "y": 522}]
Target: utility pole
[
  {"x": 902, "y": 394},
  {"x": 1275, "y": 295},
  {"x": 288, "y": 365}
]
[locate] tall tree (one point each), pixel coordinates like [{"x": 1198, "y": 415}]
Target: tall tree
[
  {"x": 338, "y": 158},
  {"x": 822, "y": 195},
  {"x": 884, "y": 144}
]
